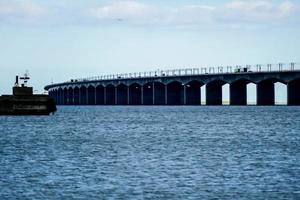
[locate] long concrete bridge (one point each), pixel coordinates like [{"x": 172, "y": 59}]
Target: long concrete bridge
[{"x": 181, "y": 87}]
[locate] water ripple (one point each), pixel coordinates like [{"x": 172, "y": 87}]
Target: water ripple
[{"x": 152, "y": 153}]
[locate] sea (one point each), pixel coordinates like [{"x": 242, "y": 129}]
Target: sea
[{"x": 155, "y": 152}]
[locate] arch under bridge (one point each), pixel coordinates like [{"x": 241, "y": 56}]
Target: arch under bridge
[{"x": 181, "y": 87}]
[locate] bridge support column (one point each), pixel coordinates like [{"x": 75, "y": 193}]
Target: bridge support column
[
  {"x": 166, "y": 94},
  {"x": 87, "y": 96},
  {"x": 294, "y": 93},
  {"x": 214, "y": 93},
  {"x": 142, "y": 95},
  {"x": 116, "y": 96},
  {"x": 265, "y": 93},
  {"x": 184, "y": 95},
  {"x": 95, "y": 93},
  {"x": 238, "y": 93},
  {"x": 104, "y": 95},
  {"x": 79, "y": 97},
  {"x": 128, "y": 96},
  {"x": 153, "y": 93}
]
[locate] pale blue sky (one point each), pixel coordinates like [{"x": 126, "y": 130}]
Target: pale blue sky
[{"x": 63, "y": 39}]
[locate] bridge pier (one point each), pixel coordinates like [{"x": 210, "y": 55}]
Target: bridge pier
[
  {"x": 193, "y": 93},
  {"x": 104, "y": 95},
  {"x": 214, "y": 92},
  {"x": 294, "y": 93},
  {"x": 238, "y": 93},
  {"x": 142, "y": 95},
  {"x": 265, "y": 93}
]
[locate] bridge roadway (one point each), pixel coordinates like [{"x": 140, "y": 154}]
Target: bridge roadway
[{"x": 177, "y": 87}]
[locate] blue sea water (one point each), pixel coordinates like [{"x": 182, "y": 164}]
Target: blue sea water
[{"x": 152, "y": 153}]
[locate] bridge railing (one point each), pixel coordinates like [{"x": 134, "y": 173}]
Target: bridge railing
[{"x": 197, "y": 71}]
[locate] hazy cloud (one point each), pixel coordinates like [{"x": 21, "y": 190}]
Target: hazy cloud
[
  {"x": 139, "y": 13},
  {"x": 234, "y": 12},
  {"x": 261, "y": 12},
  {"x": 134, "y": 12},
  {"x": 20, "y": 11},
  {"x": 131, "y": 11}
]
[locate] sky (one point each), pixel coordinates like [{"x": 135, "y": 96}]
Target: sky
[{"x": 57, "y": 40}]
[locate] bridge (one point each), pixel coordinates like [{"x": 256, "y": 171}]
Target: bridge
[{"x": 181, "y": 86}]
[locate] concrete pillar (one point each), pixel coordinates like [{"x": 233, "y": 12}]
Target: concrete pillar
[
  {"x": 184, "y": 95},
  {"x": 128, "y": 95},
  {"x": 142, "y": 95},
  {"x": 61, "y": 97},
  {"x": 214, "y": 93},
  {"x": 95, "y": 91},
  {"x": 166, "y": 94},
  {"x": 104, "y": 95},
  {"x": 265, "y": 93},
  {"x": 293, "y": 90},
  {"x": 238, "y": 93},
  {"x": 73, "y": 96},
  {"x": 153, "y": 93},
  {"x": 79, "y": 96},
  {"x": 116, "y": 95},
  {"x": 87, "y": 96},
  {"x": 55, "y": 96}
]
